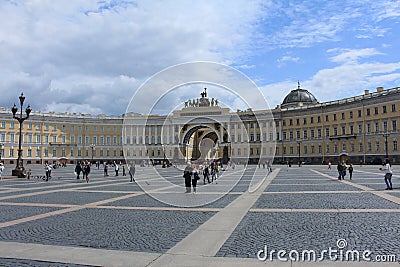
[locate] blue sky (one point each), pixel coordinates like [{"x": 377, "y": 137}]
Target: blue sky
[{"x": 91, "y": 56}]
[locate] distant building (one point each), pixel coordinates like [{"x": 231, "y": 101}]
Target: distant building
[{"x": 358, "y": 129}]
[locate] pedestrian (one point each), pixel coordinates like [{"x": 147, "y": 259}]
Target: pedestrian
[
  {"x": 351, "y": 171},
  {"x": 388, "y": 174},
  {"x": 47, "y": 171},
  {"x": 344, "y": 168},
  {"x": 78, "y": 169},
  {"x": 87, "y": 171},
  {"x": 187, "y": 173},
  {"x": 1, "y": 170},
  {"x": 206, "y": 174},
  {"x": 339, "y": 170},
  {"x": 28, "y": 174},
  {"x": 116, "y": 168},
  {"x": 329, "y": 165},
  {"x": 105, "y": 169},
  {"x": 194, "y": 177},
  {"x": 132, "y": 170},
  {"x": 269, "y": 166},
  {"x": 123, "y": 170}
]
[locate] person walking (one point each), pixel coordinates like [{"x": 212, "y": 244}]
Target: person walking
[
  {"x": 132, "y": 170},
  {"x": 388, "y": 174},
  {"x": 351, "y": 171},
  {"x": 105, "y": 169},
  {"x": 194, "y": 177},
  {"x": 78, "y": 169},
  {"x": 206, "y": 174},
  {"x": 1, "y": 170},
  {"x": 329, "y": 165},
  {"x": 123, "y": 170},
  {"x": 339, "y": 169},
  {"x": 116, "y": 168},
  {"x": 87, "y": 171},
  {"x": 187, "y": 174}
]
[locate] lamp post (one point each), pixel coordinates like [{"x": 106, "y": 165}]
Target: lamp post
[
  {"x": 1, "y": 150},
  {"x": 18, "y": 171},
  {"x": 92, "y": 146},
  {"x": 386, "y": 135},
  {"x": 298, "y": 149}
]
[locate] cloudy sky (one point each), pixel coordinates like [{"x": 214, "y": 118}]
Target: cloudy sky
[{"x": 91, "y": 56}]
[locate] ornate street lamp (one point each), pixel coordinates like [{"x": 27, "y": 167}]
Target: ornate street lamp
[
  {"x": 1, "y": 150},
  {"x": 18, "y": 171},
  {"x": 386, "y": 135},
  {"x": 299, "y": 142},
  {"x": 92, "y": 146}
]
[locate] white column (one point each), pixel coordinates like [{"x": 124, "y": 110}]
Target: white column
[
  {"x": 242, "y": 131},
  {"x": 144, "y": 135},
  {"x": 229, "y": 131},
  {"x": 137, "y": 134}
]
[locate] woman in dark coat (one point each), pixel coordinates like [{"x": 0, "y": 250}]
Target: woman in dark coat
[{"x": 187, "y": 174}]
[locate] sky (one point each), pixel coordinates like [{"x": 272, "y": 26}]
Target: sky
[{"x": 92, "y": 56}]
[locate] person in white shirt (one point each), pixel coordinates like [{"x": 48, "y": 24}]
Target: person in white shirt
[
  {"x": 1, "y": 170},
  {"x": 388, "y": 174}
]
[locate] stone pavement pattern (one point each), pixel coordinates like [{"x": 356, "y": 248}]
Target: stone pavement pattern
[{"x": 112, "y": 222}]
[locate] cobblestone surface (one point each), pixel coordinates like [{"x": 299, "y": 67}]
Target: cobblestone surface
[
  {"x": 378, "y": 232},
  {"x": 299, "y": 188},
  {"x": 134, "y": 230},
  {"x": 148, "y": 201},
  {"x": 324, "y": 201},
  {"x": 10, "y": 213},
  {"x": 9, "y": 262},
  {"x": 73, "y": 198}
]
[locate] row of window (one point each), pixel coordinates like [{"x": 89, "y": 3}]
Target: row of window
[
  {"x": 56, "y": 153},
  {"x": 54, "y": 127},
  {"x": 342, "y": 116},
  {"x": 342, "y": 130},
  {"x": 377, "y": 147},
  {"x": 37, "y": 138}
]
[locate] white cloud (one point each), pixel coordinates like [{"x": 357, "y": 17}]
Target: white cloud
[
  {"x": 350, "y": 56},
  {"x": 80, "y": 49}
]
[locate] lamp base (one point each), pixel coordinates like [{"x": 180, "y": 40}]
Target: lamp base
[{"x": 19, "y": 173}]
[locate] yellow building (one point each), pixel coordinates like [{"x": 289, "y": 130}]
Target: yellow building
[{"x": 359, "y": 129}]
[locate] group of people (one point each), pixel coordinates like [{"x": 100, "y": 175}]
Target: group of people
[
  {"x": 342, "y": 168},
  {"x": 84, "y": 168},
  {"x": 210, "y": 172},
  {"x": 117, "y": 167}
]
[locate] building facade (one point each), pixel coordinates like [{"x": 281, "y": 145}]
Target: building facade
[{"x": 362, "y": 128}]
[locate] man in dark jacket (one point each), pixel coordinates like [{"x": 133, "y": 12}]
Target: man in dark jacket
[{"x": 187, "y": 174}]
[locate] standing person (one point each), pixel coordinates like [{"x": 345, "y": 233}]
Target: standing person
[
  {"x": 1, "y": 170},
  {"x": 206, "y": 174},
  {"x": 269, "y": 166},
  {"x": 344, "y": 168},
  {"x": 105, "y": 169},
  {"x": 329, "y": 165},
  {"x": 195, "y": 177},
  {"x": 187, "y": 174},
  {"x": 87, "y": 171},
  {"x": 339, "y": 169},
  {"x": 116, "y": 168},
  {"x": 47, "y": 171},
  {"x": 388, "y": 174},
  {"x": 351, "y": 171},
  {"x": 131, "y": 170},
  {"x": 123, "y": 170},
  {"x": 78, "y": 169}
]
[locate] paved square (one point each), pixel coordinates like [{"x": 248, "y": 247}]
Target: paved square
[{"x": 111, "y": 221}]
